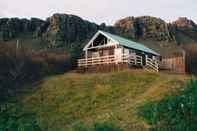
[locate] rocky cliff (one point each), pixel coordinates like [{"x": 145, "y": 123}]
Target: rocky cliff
[
  {"x": 12, "y": 28},
  {"x": 58, "y": 30},
  {"x": 145, "y": 27},
  {"x": 184, "y": 30},
  {"x": 180, "y": 31},
  {"x": 62, "y": 30}
]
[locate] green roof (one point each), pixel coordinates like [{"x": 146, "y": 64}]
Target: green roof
[{"x": 130, "y": 44}]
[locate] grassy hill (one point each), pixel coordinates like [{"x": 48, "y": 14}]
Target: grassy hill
[{"x": 62, "y": 102}]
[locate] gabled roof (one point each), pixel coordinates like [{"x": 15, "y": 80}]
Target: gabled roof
[{"x": 125, "y": 42}]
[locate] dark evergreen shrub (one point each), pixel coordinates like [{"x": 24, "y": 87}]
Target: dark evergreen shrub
[{"x": 175, "y": 112}]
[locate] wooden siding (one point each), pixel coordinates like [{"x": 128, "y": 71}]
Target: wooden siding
[
  {"x": 175, "y": 64},
  {"x": 101, "y": 52}
]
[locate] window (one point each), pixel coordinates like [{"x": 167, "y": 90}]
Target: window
[
  {"x": 154, "y": 57},
  {"x": 131, "y": 51},
  {"x": 126, "y": 51},
  {"x": 95, "y": 54}
]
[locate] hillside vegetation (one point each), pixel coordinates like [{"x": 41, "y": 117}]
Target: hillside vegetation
[
  {"x": 175, "y": 112},
  {"x": 72, "y": 101}
]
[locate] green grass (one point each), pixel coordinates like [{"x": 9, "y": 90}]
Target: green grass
[{"x": 61, "y": 102}]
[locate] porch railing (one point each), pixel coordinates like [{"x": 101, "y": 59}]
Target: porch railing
[
  {"x": 110, "y": 59},
  {"x": 135, "y": 60},
  {"x": 152, "y": 64},
  {"x": 96, "y": 60}
]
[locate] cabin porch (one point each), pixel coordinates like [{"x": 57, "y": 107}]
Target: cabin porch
[{"x": 119, "y": 56}]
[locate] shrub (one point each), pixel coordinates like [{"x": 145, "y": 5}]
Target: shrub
[
  {"x": 55, "y": 62},
  {"x": 15, "y": 121},
  {"x": 176, "y": 112},
  {"x": 96, "y": 127},
  {"x": 79, "y": 127},
  {"x": 104, "y": 127},
  {"x": 22, "y": 66}
]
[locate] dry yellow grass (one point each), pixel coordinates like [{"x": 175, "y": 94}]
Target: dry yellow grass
[{"x": 64, "y": 100}]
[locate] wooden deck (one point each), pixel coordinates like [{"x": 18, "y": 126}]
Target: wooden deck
[{"x": 112, "y": 63}]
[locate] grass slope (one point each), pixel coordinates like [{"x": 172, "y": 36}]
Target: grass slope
[{"x": 62, "y": 101}]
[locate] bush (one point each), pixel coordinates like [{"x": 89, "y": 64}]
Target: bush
[
  {"x": 22, "y": 66},
  {"x": 55, "y": 62},
  {"x": 176, "y": 112},
  {"x": 15, "y": 121},
  {"x": 96, "y": 127},
  {"x": 104, "y": 127}
]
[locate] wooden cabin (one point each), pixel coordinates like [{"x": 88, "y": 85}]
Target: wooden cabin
[{"x": 106, "y": 49}]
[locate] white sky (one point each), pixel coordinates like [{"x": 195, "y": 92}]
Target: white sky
[{"x": 99, "y": 11}]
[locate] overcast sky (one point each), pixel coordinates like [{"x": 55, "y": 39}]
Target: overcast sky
[{"x": 99, "y": 11}]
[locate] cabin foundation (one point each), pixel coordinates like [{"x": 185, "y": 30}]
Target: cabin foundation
[{"x": 103, "y": 68}]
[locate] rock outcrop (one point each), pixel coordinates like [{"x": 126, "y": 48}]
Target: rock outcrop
[
  {"x": 12, "y": 28},
  {"x": 63, "y": 30},
  {"x": 146, "y": 27},
  {"x": 127, "y": 27},
  {"x": 184, "y": 30},
  {"x": 183, "y": 22},
  {"x": 58, "y": 30}
]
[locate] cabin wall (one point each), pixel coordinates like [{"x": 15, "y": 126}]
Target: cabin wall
[
  {"x": 141, "y": 53},
  {"x": 101, "y": 52}
]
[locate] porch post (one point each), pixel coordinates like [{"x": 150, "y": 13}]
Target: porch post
[
  {"x": 86, "y": 57},
  {"x": 135, "y": 59},
  {"x": 122, "y": 54},
  {"x": 146, "y": 59},
  {"x": 115, "y": 54}
]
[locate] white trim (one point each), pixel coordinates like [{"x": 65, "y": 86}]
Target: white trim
[
  {"x": 108, "y": 37},
  {"x": 90, "y": 42},
  {"x": 94, "y": 37},
  {"x": 101, "y": 46}
]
